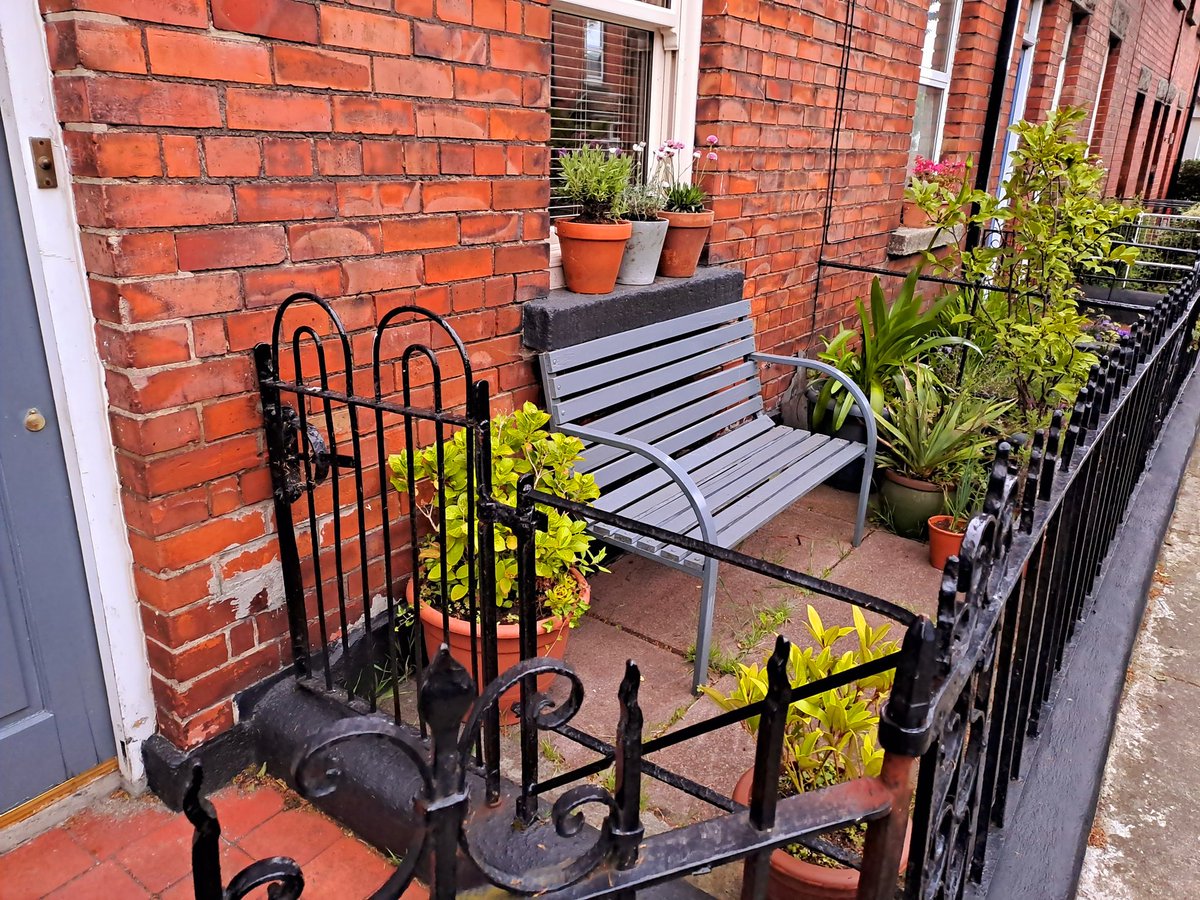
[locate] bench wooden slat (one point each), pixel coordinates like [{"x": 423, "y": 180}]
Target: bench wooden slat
[
  {"x": 653, "y": 379},
  {"x": 588, "y": 379},
  {"x": 564, "y": 360}
]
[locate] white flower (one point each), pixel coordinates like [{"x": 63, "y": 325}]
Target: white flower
[{"x": 696, "y": 155}]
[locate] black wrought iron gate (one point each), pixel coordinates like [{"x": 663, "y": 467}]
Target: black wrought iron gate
[{"x": 968, "y": 691}]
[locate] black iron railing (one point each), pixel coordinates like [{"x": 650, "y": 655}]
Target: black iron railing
[{"x": 969, "y": 691}]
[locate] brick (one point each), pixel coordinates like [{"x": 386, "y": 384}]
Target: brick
[
  {"x": 372, "y": 115},
  {"x": 362, "y": 30},
  {"x": 230, "y": 248},
  {"x": 125, "y": 101},
  {"x": 339, "y": 157},
  {"x": 167, "y": 12},
  {"x": 451, "y": 44},
  {"x": 527, "y": 193},
  {"x": 382, "y": 273},
  {"x": 520, "y": 125},
  {"x": 279, "y": 201},
  {"x": 522, "y": 258},
  {"x": 226, "y": 418},
  {"x": 148, "y": 205},
  {"x": 334, "y": 239},
  {"x": 288, "y": 20},
  {"x": 420, "y": 233},
  {"x": 384, "y": 158},
  {"x": 414, "y": 77},
  {"x": 181, "y": 155},
  {"x": 167, "y": 388},
  {"x": 189, "y": 662},
  {"x": 521, "y": 54},
  {"x": 100, "y": 46},
  {"x": 197, "y": 544},
  {"x": 114, "y": 155},
  {"x": 455, "y": 196},
  {"x": 171, "y": 298},
  {"x": 486, "y": 86},
  {"x": 490, "y": 228},
  {"x": 157, "y": 434},
  {"x": 309, "y": 67},
  {"x": 287, "y": 157},
  {"x": 228, "y": 680},
  {"x": 378, "y": 198},
  {"x": 232, "y": 157},
  {"x": 250, "y": 561},
  {"x": 189, "y": 468},
  {"x": 269, "y": 287},
  {"x": 144, "y": 348},
  {"x": 488, "y": 14},
  {"x": 191, "y": 55},
  {"x": 262, "y": 110},
  {"x": 140, "y": 253},
  {"x": 458, "y": 265},
  {"x": 223, "y": 496},
  {"x": 456, "y": 121}
]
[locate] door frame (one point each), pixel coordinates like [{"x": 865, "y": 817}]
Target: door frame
[{"x": 52, "y": 246}]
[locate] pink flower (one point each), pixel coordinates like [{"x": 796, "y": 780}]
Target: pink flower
[
  {"x": 712, "y": 156},
  {"x": 711, "y": 139}
]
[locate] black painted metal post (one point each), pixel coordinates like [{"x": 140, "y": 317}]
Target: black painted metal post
[
  {"x": 625, "y": 823},
  {"x": 768, "y": 760},
  {"x": 525, "y": 529},
  {"x": 289, "y": 555},
  {"x": 480, "y": 414}
]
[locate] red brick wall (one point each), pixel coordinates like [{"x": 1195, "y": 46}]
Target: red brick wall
[{"x": 226, "y": 154}]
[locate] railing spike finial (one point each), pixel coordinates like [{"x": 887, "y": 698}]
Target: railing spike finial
[
  {"x": 1031, "y": 491},
  {"x": 999, "y": 473}
]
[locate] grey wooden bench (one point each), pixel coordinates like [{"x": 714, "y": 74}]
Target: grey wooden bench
[{"x": 677, "y": 437}]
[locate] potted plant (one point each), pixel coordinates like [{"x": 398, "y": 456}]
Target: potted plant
[
  {"x": 643, "y": 203},
  {"x": 592, "y": 243},
  {"x": 563, "y": 554},
  {"x": 928, "y": 438},
  {"x": 947, "y": 175},
  {"x": 829, "y": 738},
  {"x": 892, "y": 336},
  {"x": 688, "y": 221},
  {"x": 946, "y": 530}
]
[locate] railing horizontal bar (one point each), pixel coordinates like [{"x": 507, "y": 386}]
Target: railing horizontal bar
[
  {"x": 733, "y": 557},
  {"x": 368, "y": 403}
]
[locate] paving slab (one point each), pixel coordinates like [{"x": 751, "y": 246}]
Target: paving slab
[
  {"x": 1144, "y": 838},
  {"x": 894, "y": 568}
]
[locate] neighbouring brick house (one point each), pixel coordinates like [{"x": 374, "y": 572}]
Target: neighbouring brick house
[{"x": 214, "y": 156}]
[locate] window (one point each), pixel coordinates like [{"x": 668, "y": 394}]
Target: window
[
  {"x": 622, "y": 72},
  {"x": 1020, "y": 94},
  {"x": 1104, "y": 95},
  {"x": 933, "y": 88}
]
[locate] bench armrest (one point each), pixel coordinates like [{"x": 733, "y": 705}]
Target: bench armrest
[
  {"x": 860, "y": 398},
  {"x": 708, "y": 528}
]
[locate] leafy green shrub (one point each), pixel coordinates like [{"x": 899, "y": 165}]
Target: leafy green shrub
[
  {"x": 520, "y": 446},
  {"x": 596, "y": 178},
  {"x": 1188, "y": 185}
]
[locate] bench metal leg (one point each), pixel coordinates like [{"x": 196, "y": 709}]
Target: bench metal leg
[
  {"x": 708, "y": 604},
  {"x": 864, "y": 494}
]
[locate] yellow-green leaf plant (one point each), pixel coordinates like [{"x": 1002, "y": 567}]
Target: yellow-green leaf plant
[{"x": 520, "y": 445}]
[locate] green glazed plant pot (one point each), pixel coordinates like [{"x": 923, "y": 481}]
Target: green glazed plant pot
[{"x": 910, "y": 502}]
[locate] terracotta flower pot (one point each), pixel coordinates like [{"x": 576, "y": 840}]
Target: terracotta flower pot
[
  {"x": 796, "y": 879},
  {"x": 912, "y": 216},
  {"x": 686, "y": 234},
  {"x": 591, "y": 254},
  {"x": 910, "y": 502},
  {"x": 944, "y": 541},
  {"x": 551, "y": 643}
]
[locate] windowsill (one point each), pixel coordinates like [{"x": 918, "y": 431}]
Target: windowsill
[
  {"x": 563, "y": 319},
  {"x": 911, "y": 241}
]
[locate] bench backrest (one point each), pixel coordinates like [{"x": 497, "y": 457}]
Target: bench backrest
[{"x": 673, "y": 384}]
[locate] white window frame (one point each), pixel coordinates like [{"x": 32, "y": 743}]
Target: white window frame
[
  {"x": 936, "y": 78},
  {"x": 1060, "y": 77},
  {"x": 674, "y": 71}
]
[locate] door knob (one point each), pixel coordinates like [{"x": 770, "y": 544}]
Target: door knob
[{"x": 34, "y": 420}]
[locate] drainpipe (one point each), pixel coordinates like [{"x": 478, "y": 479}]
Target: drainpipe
[{"x": 991, "y": 122}]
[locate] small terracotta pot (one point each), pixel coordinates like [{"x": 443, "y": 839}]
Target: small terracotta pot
[
  {"x": 551, "y": 643},
  {"x": 910, "y": 502},
  {"x": 912, "y": 216},
  {"x": 591, "y": 254},
  {"x": 796, "y": 879},
  {"x": 944, "y": 541},
  {"x": 686, "y": 234}
]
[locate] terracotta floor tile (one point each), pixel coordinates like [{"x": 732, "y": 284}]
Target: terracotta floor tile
[
  {"x": 349, "y": 868},
  {"x": 107, "y": 881},
  {"x": 241, "y": 810},
  {"x": 297, "y": 833},
  {"x": 161, "y": 857},
  {"x": 114, "y": 824},
  {"x": 37, "y": 867},
  {"x": 233, "y": 860}
]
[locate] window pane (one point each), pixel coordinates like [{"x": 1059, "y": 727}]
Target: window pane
[
  {"x": 938, "y": 35},
  {"x": 925, "y": 121},
  {"x": 599, "y": 89}
]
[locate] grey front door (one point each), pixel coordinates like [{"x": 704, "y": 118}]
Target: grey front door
[{"x": 54, "y": 719}]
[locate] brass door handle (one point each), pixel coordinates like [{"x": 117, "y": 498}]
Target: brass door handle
[{"x": 34, "y": 420}]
